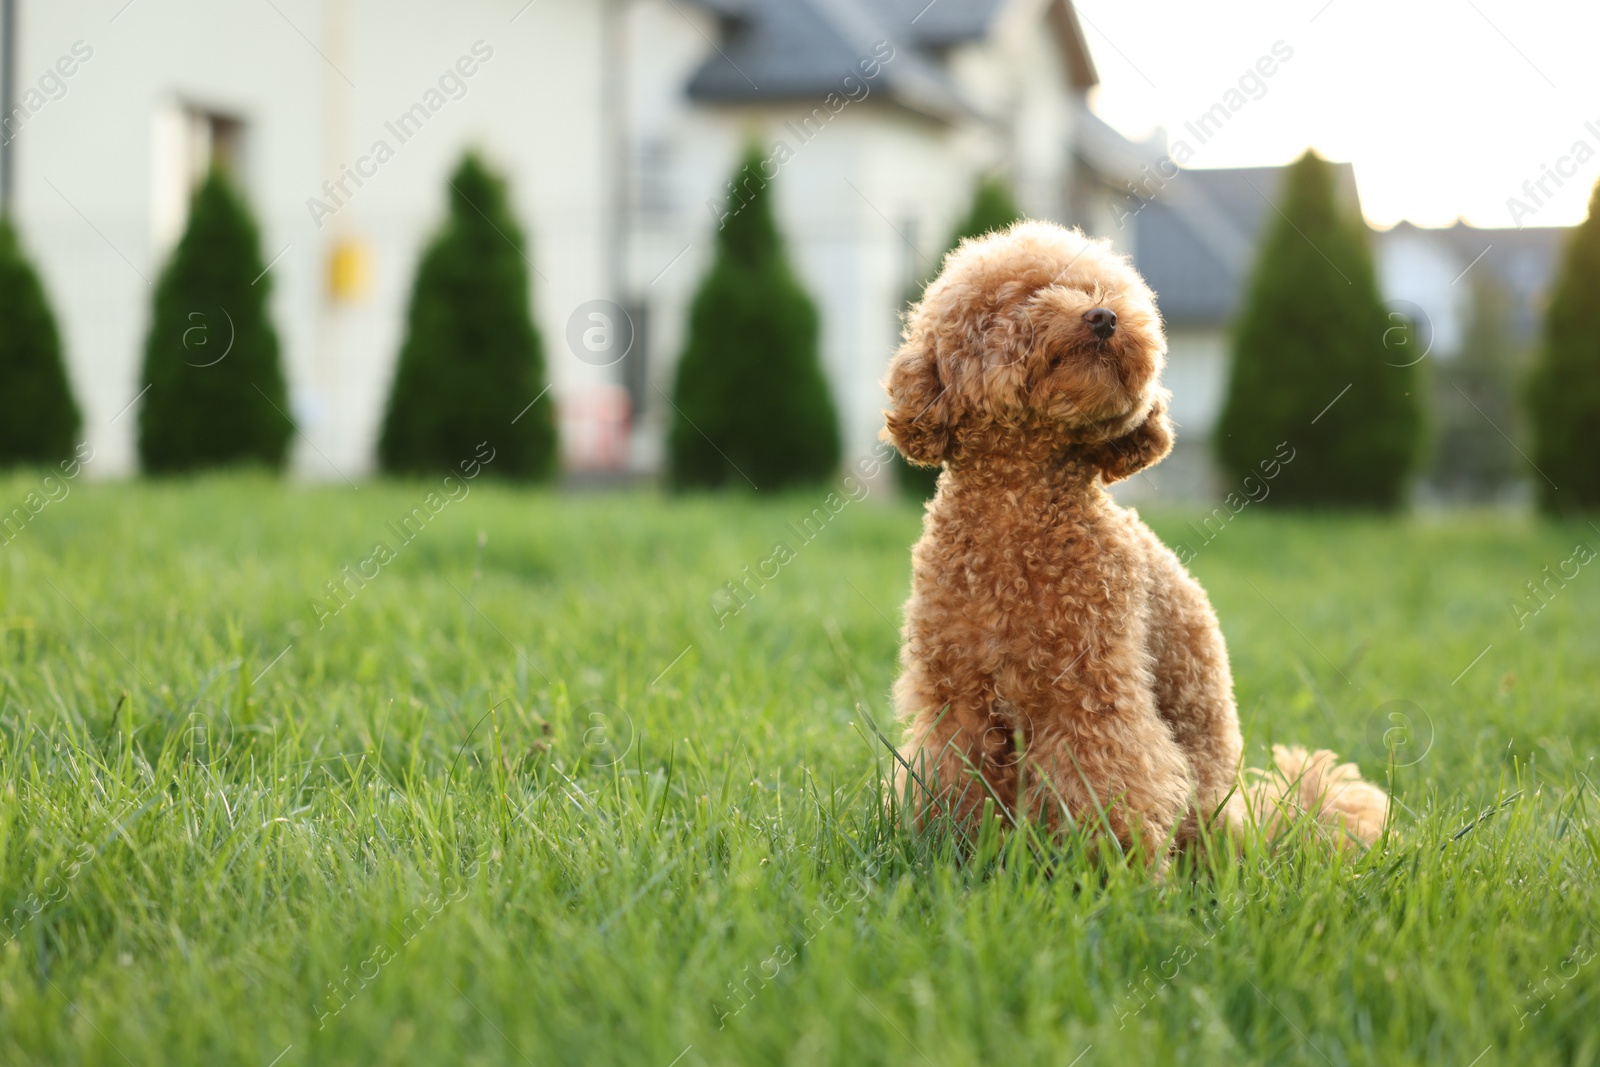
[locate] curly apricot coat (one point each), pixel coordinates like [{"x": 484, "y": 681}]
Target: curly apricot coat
[{"x": 1058, "y": 657}]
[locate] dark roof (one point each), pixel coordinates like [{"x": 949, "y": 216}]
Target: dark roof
[
  {"x": 780, "y": 50},
  {"x": 1195, "y": 236},
  {"x": 1195, "y": 242}
]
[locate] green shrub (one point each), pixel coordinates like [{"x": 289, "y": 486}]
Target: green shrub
[
  {"x": 217, "y": 395},
  {"x": 1313, "y": 333},
  {"x": 41, "y": 420},
  {"x": 751, "y": 402},
  {"x": 993, "y": 208},
  {"x": 472, "y": 362},
  {"x": 1564, "y": 390}
]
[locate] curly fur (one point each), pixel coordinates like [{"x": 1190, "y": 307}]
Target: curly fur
[{"x": 1058, "y": 658}]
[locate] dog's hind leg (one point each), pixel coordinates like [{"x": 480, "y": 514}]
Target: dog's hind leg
[
  {"x": 1116, "y": 770},
  {"x": 1194, "y": 690}
]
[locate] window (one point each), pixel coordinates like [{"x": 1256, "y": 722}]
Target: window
[{"x": 655, "y": 200}]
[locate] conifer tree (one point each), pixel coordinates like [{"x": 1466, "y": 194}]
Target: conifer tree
[
  {"x": 1564, "y": 389},
  {"x": 993, "y": 208},
  {"x": 41, "y": 421},
  {"x": 751, "y": 402},
  {"x": 472, "y": 362},
  {"x": 1318, "y": 365},
  {"x": 217, "y": 395}
]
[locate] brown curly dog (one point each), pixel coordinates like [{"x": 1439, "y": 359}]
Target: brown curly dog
[{"x": 1054, "y": 647}]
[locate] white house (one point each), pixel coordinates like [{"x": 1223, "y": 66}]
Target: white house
[{"x": 617, "y": 123}]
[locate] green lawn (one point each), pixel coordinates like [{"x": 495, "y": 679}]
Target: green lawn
[{"x": 522, "y": 800}]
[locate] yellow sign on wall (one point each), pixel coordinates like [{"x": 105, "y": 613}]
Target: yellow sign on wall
[{"x": 349, "y": 269}]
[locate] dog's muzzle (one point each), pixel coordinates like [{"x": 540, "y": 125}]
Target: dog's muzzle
[{"x": 1102, "y": 322}]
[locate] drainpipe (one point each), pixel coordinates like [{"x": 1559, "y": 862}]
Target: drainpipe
[
  {"x": 617, "y": 160},
  {"x": 8, "y": 100},
  {"x": 616, "y": 153},
  {"x": 613, "y": 153}
]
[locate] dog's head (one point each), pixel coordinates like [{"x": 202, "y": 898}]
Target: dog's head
[{"x": 1032, "y": 341}]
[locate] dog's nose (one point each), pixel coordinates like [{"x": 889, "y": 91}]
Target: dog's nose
[{"x": 1102, "y": 321}]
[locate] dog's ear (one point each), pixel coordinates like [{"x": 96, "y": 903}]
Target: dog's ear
[
  {"x": 918, "y": 417},
  {"x": 1141, "y": 447}
]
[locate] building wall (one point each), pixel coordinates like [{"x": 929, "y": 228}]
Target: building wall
[
  {"x": 1423, "y": 282},
  {"x": 1016, "y": 79},
  {"x": 867, "y": 202},
  {"x": 1197, "y": 374},
  {"x": 90, "y": 166},
  {"x": 86, "y": 175},
  {"x": 532, "y": 108},
  {"x": 859, "y": 206}
]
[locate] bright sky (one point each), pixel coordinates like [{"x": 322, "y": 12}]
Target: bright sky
[{"x": 1446, "y": 107}]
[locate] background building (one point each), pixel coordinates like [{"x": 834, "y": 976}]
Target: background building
[
  {"x": 1196, "y": 239},
  {"x": 618, "y": 124},
  {"x": 1195, "y": 242}
]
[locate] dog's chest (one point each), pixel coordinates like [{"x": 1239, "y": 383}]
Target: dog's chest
[{"x": 1019, "y": 578}]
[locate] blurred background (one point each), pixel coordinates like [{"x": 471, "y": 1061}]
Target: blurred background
[{"x": 610, "y": 133}]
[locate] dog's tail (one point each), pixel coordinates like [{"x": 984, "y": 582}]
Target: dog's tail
[{"x": 1348, "y": 808}]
